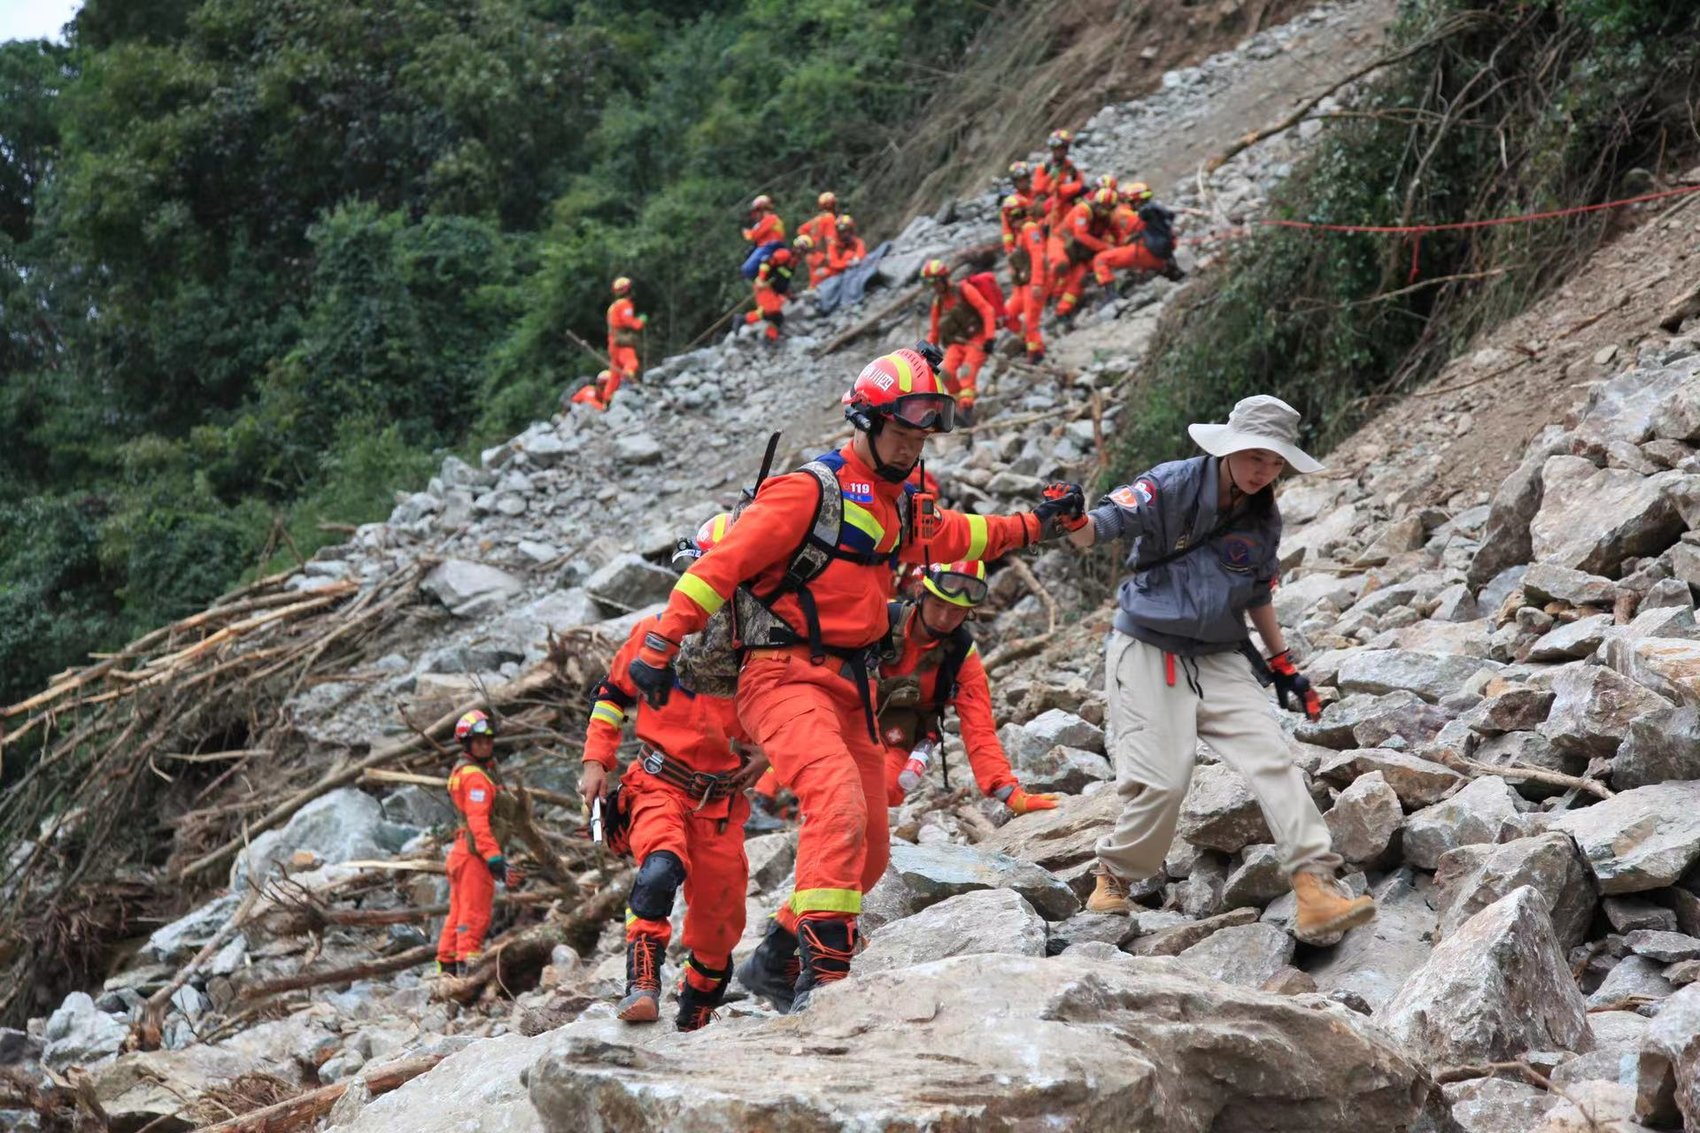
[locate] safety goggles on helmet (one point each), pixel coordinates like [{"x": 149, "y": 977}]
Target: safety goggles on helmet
[
  {"x": 956, "y": 587},
  {"x": 473, "y": 724},
  {"x": 932, "y": 411}
]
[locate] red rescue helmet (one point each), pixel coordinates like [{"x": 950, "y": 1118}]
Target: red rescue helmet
[
  {"x": 1017, "y": 204},
  {"x": 471, "y": 725},
  {"x": 708, "y": 536},
  {"x": 622, "y": 285},
  {"x": 1137, "y": 193},
  {"x": 899, "y": 386},
  {"x": 935, "y": 269},
  {"x": 1104, "y": 199},
  {"x": 846, "y": 222},
  {"x": 762, "y": 202},
  {"x": 1107, "y": 181},
  {"x": 827, "y": 200},
  {"x": 1060, "y": 139},
  {"x": 962, "y": 583},
  {"x": 781, "y": 257}
]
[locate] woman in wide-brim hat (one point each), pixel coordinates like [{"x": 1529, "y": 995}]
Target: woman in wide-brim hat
[{"x": 1180, "y": 666}]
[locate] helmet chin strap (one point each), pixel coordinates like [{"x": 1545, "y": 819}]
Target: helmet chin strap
[
  {"x": 888, "y": 472},
  {"x": 921, "y": 616}
]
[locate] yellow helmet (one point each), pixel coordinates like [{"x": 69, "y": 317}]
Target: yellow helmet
[
  {"x": 962, "y": 583},
  {"x": 762, "y": 202},
  {"x": 803, "y": 243},
  {"x": 935, "y": 269},
  {"x": 622, "y": 285},
  {"x": 1137, "y": 193},
  {"x": 827, "y": 200},
  {"x": 1060, "y": 139},
  {"x": 1107, "y": 181}
]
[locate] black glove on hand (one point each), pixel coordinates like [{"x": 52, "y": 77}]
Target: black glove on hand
[
  {"x": 1063, "y": 509},
  {"x": 652, "y": 670},
  {"x": 1289, "y": 682}
]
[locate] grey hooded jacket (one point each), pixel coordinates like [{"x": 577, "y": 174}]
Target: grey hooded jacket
[{"x": 1196, "y": 603}]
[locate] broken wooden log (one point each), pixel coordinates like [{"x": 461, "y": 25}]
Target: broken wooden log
[{"x": 303, "y": 1110}]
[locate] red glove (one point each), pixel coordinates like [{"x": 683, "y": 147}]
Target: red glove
[
  {"x": 1290, "y": 682},
  {"x": 1023, "y": 803},
  {"x": 1064, "y": 506}
]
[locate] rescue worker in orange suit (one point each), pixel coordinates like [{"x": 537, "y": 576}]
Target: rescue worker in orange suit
[
  {"x": 624, "y": 326},
  {"x": 685, "y": 813},
  {"x": 1057, "y": 182},
  {"x": 1070, "y": 250},
  {"x": 810, "y": 566},
  {"x": 591, "y": 394},
  {"x": 772, "y": 285},
  {"x": 1028, "y": 275},
  {"x": 1129, "y": 251},
  {"x": 964, "y": 322},
  {"x": 766, "y": 233},
  {"x": 930, "y": 664},
  {"x": 476, "y": 861},
  {"x": 1021, "y": 178},
  {"x": 852, "y": 250},
  {"x": 822, "y": 231}
]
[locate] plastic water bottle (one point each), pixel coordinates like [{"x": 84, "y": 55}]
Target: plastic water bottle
[{"x": 916, "y": 767}]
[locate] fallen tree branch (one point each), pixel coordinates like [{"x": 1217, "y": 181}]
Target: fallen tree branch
[
  {"x": 150, "y": 1026},
  {"x": 412, "y": 958},
  {"x": 1529, "y": 774},
  {"x": 1037, "y": 588},
  {"x": 379, "y": 775},
  {"x": 512, "y": 961},
  {"x": 304, "y": 1109},
  {"x": 374, "y": 918}
]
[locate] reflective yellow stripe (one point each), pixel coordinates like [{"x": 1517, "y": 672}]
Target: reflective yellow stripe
[
  {"x": 863, "y": 520},
  {"x": 699, "y": 592},
  {"x": 905, "y": 373},
  {"x": 826, "y": 901},
  {"x": 977, "y": 536},
  {"x": 630, "y": 917},
  {"x": 609, "y": 713}
]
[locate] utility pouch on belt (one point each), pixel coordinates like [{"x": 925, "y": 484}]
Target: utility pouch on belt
[{"x": 617, "y": 819}]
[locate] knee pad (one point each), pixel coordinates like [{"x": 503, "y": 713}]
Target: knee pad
[{"x": 658, "y": 880}]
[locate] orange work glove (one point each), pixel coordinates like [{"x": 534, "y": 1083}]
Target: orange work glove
[{"x": 1023, "y": 803}]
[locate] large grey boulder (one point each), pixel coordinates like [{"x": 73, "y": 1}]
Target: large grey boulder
[
  {"x": 1640, "y": 839},
  {"x": 1506, "y": 541},
  {"x": 1364, "y": 819},
  {"x": 942, "y": 869},
  {"x": 1061, "y": 838},
  {"x": 1054, "y": 726},
  {"x": 1069, "y": 770},
  {"x": 1495, "y": 1105},
  {"x": 1667, "y": 1074},
  {"x": 1484, "y": 811},
  {"x": 1571, "y": 641},
  {"x": 1373, "y": 962},
  {"x": 1247, "y": 955},
  {"x": 1591, "y": 519},
  {"x": 994, "y": 1042},
  {"x": 1220, "y": 812},
  {"x": 78, "y": 1034},
  {"x": 1418, "y": 782},
  {"x": 1658, "y": 747},
  {"x": 1469, "y": 879},
  {"x": 1493, "y": 990},
  {"x": 469, "y": 588},
  {"x": 1593, "y": 707},
  {"x": 1431, "y": 676},
  {"x": 985, "y": 920},
  {"x": 183, "y": 937},
  {"x": 1342, "y": 719},
  {"x": 342, "y": 826},
  {"x": 630, "y": 582},
  {"x": 1547, "y": 582}
]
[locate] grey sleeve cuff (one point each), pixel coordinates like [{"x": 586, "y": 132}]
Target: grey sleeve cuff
[{"x": 1107, "y": 523}]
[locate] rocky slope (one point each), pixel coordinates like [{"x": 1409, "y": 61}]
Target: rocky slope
[{"x": 1507, "y": 760}]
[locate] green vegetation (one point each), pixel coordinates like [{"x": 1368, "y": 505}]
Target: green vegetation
[
  {"x": 263, "y": 261},
  {"x": 1516, "y": 107}
]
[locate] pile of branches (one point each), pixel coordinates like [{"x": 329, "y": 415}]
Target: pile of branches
[{"x": 93, "y": 760}]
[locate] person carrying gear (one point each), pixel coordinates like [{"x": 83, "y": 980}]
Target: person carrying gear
[
  {"x": 772, "y": 285},
  {"x": 1206, "y": 534},
  {"x": 624, "y": 326},
  {"x": 476, "y": 861},
  {"x": 1132, "y": 240},
  {"x": 685, "y": 813},
  {"x": 1057, "y": 182},
  {"x": 852, "y": 250},
  {"x": 964, "y": 321},
  {"x": 822, "y": 231},
  {"x": 930, "y": 663},
  {"x": 1070, "y": 250},
  {"x": 809, "y": 568},
  {"x": 766, "y": 231},
  {"x": 1027, "y": 274}
]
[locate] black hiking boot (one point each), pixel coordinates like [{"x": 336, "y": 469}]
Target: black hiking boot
[
  {"x": 826, "y": 947},
  {"x": 772, "y": 969},
  {"x": 697, "y": 1001}
]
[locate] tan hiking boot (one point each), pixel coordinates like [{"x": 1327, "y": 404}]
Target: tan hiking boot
[
  {"x": 1327, "y": 909},
  {"x": 1109, "y": 894}
]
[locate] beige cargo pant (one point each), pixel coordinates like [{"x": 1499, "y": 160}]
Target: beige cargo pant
[{"x": 1154, "y": 730}]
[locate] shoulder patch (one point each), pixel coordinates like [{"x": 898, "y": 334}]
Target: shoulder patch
[
  {"x": 1137, "y": 494},
  {"x": 477, "y": 794}
]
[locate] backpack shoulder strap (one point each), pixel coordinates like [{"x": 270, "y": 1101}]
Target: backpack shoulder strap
[{"x": 955, "y": 653}]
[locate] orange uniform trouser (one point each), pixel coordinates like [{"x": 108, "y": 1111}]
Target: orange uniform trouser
[
  {"x": 623, "y": 363},
  {"x": 961, "y": 370},
  {"x": 820, "y": 267},
  {"x": 1135, "y": 256},
  {"x": 472, "y": 891},
  {"x": 1029, "y": 305},
  {"x": 1066, "y": 278},
  {"x": 770, "y": 305},
  {"x": 809, "y": 720},
  {"x": 710, "y": 842}
]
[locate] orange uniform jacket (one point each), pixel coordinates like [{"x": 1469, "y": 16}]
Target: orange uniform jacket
[
  {"x": 1125, "y": 225},
  {"x": 850, "y": 251},
  {"x": 1085, "y": 228},
  {"x": 766, "y": 230},
  {"x": 823, "y": 230},
  {"x": 622, "y": 316},
  {"x": 851, "y": 597},
  {"x": 692, "y": 728},
  {"x": 474, "y": 793},
  {"x": 964, "y": 293},
  {"x": 1056, "y": 186},
  {"x": 973, "y": 702}
]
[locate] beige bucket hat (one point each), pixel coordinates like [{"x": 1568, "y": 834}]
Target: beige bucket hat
[{"x": 1258, "y": 422}]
